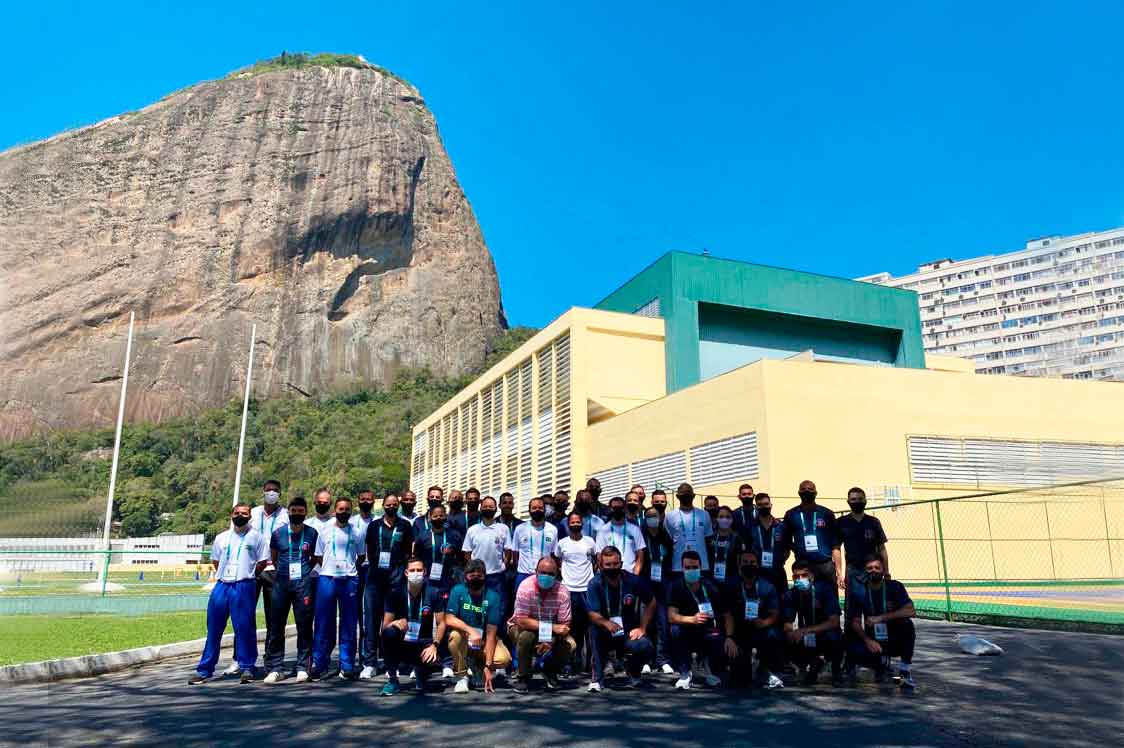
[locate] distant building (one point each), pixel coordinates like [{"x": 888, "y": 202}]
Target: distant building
[
  {"x": 1054, "y": 308},
  {"x": 24, "y": 555}
]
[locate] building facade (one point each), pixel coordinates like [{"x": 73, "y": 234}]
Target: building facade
[
  {"x": 28, "y": 555},
  {"x": 1054, "y": 308}
]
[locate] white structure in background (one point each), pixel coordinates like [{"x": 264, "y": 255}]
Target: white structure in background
[
  {"x": 29, "y": 555},
  {"x": 1054, "y": 308}
]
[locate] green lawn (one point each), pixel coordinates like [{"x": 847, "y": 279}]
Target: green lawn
[{"x": 30, "y": 638}]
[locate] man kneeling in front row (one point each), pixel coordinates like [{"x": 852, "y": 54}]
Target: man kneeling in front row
[
  {"x": 540, "y": 625},
  {"x": 620, "y": 608},
  {"x": 412, "y": 626},
  {"x": 880, "y": 623},
  {"x": 812, "y": 625},
  {"x": 472, "y": 618}
]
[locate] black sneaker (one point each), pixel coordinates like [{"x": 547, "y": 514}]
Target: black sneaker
[
  {"x": 247, "y": 677},
  {"x": 551, "y": 681},
  {"x": 813, "y": 673},
  {"x": 196, "y": 679},
  {"x": 315, "y": 676},
  {"x": 521, "y": 685}
]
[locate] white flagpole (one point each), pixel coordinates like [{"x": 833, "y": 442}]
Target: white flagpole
[
  {"x": 102, "y": 582},
  {"x": 245, "y": 411}
]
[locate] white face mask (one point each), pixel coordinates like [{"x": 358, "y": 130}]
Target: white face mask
[
  {"x": 415, "y": 578},
  {"x": 271, "y": 497}
]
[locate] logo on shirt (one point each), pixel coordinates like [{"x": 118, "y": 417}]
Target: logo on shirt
[
  {"x": 868, "y": 534},
  {"x": 628, "y": 600},
  {"x": 821, "y": 522},
  {"x": 425, "y": 611}
]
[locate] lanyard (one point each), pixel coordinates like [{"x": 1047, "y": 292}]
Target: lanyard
[
  {"x": 761, "y": 538},
  {"x": 291, "y": 545},
  {"x": 226, "y": 561},
  {"x": 741, "y": 511},
  {"x": 703, "y": 588},
  {"x": 624, "y": 535},
  {"x": 347, "y": 548},
  {"x": 803, "y": 526},
  {"x": 272, "y": 521},
  {"x": 378, "y": 538},
  {"x": 813, "y": 612},
  {"x": 756, "y": 594},
  {"x": 694, "y": 522},
  {"x": 433, "y": 544},
  {"x": 870, "y": 600},
  {"x": 620, "y": 599},
  {"x": 542, "y": 542},
  {"x": 409, "y": 600}
]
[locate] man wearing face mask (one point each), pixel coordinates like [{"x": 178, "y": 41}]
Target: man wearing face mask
[
  {"x": 490, "y": 542},
  {"x": 472, "y": 618},
  {"x": 634, "y": 509},
  {"x": 591, "y": 523},
  {"x": 440, "y": 551},
  {"x": 292, "y": 549},
  {"x": 532, "y": 541},
  {"x": 745, "y": 514},
  {"x": 471, "y": 516},
  {"x": 540, "y": 624},
  {"x": 639, "y": 491},
  {"x": 625, "y": 537},
  {"x": 657, "y": 575},
  {"x": 620, "y": 608},
  {"x": 755, "y": 612},
  {"x": 433, "y": 497},
  {"x": 594, "y": 487},
  {"x": 454, "y": 517},
  {"x": 862, "y": 537},
  {"x": 577, "y": 552},
  {"x": 768, "y": 542},
  {"x": 266, "y": 518},
  {"x": 811, "y": 612},
  {"x": 362, "y": 521},
  {"x": 340, "y": 549},
  {"x": 710, "y": 506},
  {"x": 389, "y": 541},
  {"x": 722, "y": 549},
  {"x": 408, "y": 507},
  {"x": 413, "y": 626},
  {"x": 659, "y": 501},
  {"x": 322, "y": 506},
  {"x": 696, "y": 613},
  {"x": 880, "y": 623},
  {"x": 561, "y": 507},
  {"x": 813, "y": 535},
  {"x": 237, "y": 555},
  {"x": 688, "y": 527}
]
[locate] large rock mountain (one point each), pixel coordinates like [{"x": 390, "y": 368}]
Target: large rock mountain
[{"x": 317, "y": 202}]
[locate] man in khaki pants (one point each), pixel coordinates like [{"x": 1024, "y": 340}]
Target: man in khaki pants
[
  {"x": 472, "y": 618},
  {"x": 540, "y": 625}
]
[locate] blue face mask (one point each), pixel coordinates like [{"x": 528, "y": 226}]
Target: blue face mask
[
  {"x": 692, "y": 575},
  {"x": 546, "y": 581},
  {"x": 802, "y": 584}
]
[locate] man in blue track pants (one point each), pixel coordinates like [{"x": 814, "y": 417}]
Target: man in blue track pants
[
  {"x": 292, "y": 549},
  {"x": 237, "y": 555},
  {"x": 340, "y": 548}
]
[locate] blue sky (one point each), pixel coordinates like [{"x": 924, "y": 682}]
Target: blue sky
[{"x": 593, "y": 137}]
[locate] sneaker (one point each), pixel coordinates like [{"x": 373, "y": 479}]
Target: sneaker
[
  {"x": 447, "y": 673},
  {"x": 667, "y": 669},
  {"x": 907, "y": 682},
  {"x": 610, "y": 669},
  {"x": 302, "y": 676},
  {"x": 247, "y": 677},
  {"x": 315, "y": 676},
  {"x": 196, "y": 679},
  {"x": 391, "y": 688},
  {"x": 684, "y": 683},
  {"x": 462, "y": 685},
  {"x": 774, "y": 682},
  {"x": 367, "y": 673},
  {"x": 551, "y": 681},
  {"x": 273, "y": 677},
  {"x": 594, "y": 686},
  {"x": 234, "y": 669},
  {"x": 711, "y": 679},
  {"x": 646, "y": 670},
  {"x": 521, "y": 685},
  {"x": 813, "y": 673},
  {"x": 413, "y": 674},
  {"x": 347, "y": 675}
]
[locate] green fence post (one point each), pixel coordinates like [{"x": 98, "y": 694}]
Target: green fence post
[
  {"x": 944, "y": 566},
  {"x": 105, "y": 574}
]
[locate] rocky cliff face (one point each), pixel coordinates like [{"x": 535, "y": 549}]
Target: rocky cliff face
[{"x": 318, "y": 203}]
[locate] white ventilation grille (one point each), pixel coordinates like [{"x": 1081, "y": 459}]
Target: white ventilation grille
[
  {"x": 614, "y": 481},
  {"x": 417, "y": 462},
  {"x": 666, "y": 471},
  {"x": 725, "y": 460},
  {"x": 651, "y": 309},
  {"x": 994, "y": 462},
  {"x": 562, "y": 414}
]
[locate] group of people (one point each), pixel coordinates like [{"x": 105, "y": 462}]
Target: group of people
[{"x": 624, "y": 586}]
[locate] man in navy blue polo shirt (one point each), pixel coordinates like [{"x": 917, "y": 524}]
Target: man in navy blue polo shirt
[
  {"x": 440, "y": 550},
  {"x": 862, "y": 536},
  {"x": 695, "y": 611},
  {"x": 813, "y": 536},
  {"x": 292, "y": 549},
  {"x": 389, "y": 542},
  {"x": 755, "y": 609},
  {"x": 769, "y": 543},
  {"x": 880, "y": 612},
  {"x": 811, "y": 611},
  {"x": 620, "y": 608},
  {"x": 412, "y": 626},
  {"x": 745, "y": 514}
]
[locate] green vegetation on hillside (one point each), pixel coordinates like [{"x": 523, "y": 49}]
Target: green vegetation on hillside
[
  {"x": 177, "y": 476},
  {"x": 295, "y": 60}
]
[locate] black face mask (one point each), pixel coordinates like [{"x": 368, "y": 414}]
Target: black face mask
[
  {"x": 473, "y": 506},
  {"x": 437, "y": 524},
  {"x": 538, "y": 515},
  {"x": 807, "y": 495},
  {"x": 749, "y": 571},
  {"x": 687, "y": 499},
  {"x": 611, "y": 573},
  {"x": 323, "y": 508},
  {"x": 875, "y": 577},
  {"x": 584, "y": 507},
  {"x": 661, "y": 508},
  {"x": 561, "y": 508},
  {"x": 575, "y": 529},
  {"x": 390, "y": 511},
  {"x": 764, "y": 511},
  {"x": 456, "y": 505},
  {"x": 712, "y": 512},
  {"x": 475, "y": 583},
  {"x": 618, "y": 513},
  {"x": 408, "y": 508},
  {"x": 857, "y": 506},
  {"x": 595, "y": 492},
  {"x": 487, "y": 513},
  {"x": 343, "y": 517},
  {"x": 239, "y": 520},
  {"x": 296, "y": 519},
  {"x": 633, "y": 508},
  {"x": 747, "y": 502},
  {"x": 434, "y": 502},
  {"x": 366, "y": 506}
]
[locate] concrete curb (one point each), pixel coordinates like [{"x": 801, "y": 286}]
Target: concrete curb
[{"x": 110, "y": 662}]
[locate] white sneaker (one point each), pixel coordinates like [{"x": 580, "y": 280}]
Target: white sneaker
[
  {"x": 775, "y": 682},
  {"x": 462, "y": 685},
  {"x": 594, "y": 686},
  {"x": 273, "y": 677},
  {"x": 234, "y": 669},
  {"x": 414, "y": 674},
  {"x": 447, "y": 673},
  {"x": 367, "y": 673},
  {"x": 302, "y": 676},
  {"x": 646, "y": 670},
  {"x": 667, "y": 669},
  {"x": 684, "y": 683}
]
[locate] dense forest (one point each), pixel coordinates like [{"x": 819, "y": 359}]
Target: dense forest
[{"x": 178, "y": 476}]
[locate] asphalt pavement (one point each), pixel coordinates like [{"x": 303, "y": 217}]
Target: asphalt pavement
[{"x": 1048, "y": 689}]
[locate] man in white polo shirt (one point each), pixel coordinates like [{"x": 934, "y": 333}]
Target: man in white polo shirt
[
  {"x": 340, "y": 547},
  {"x": 488, "y": 541},
  {"x": 532, "y": 540},
  {"x": 266, "y": 518},
  {"x": 689, "y": 528},
  {"x": 624, "y": 536},
  {"x": 237, "y": 555}
]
